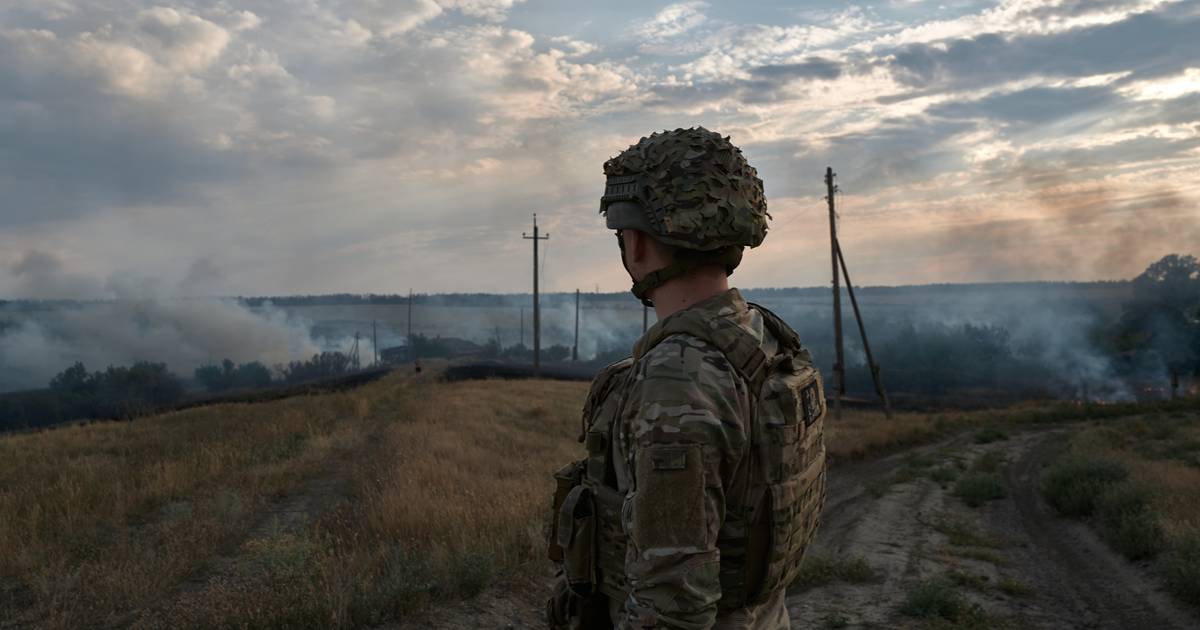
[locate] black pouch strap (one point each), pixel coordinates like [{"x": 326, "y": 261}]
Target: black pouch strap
[{"x": 567, "y": 514}]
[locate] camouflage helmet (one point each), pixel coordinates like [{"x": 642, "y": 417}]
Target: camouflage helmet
[{"x": 688, "y": 188}]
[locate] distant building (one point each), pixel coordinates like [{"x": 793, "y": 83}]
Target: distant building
[
  {"x": 430, "y": 348},
  {"x": 393, "y": 355}
]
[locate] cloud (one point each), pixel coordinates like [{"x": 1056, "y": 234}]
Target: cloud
[
  {"x": 1031, "y": 107},
  {"x": 673, "y": 20},
  {"x": 1153, "y": 44},
  {"x": 368, "y": 145},
  {"x": 492, "y": 10}
]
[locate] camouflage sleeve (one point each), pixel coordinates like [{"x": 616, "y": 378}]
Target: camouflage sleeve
[{"x": 684, "y": 420}]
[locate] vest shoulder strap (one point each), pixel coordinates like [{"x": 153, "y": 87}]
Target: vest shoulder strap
[{"x": 742, "y": 350}]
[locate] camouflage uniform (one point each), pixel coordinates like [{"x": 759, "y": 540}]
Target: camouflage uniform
[{"x": 704, "y": 478}]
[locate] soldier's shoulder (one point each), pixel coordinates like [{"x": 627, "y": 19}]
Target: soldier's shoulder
[
  {"x": 683, "y": 366},
  {"x": 606, "y": 380},
  {"x": 685, "y": 389},
  {"x": 685, "y": 353}
]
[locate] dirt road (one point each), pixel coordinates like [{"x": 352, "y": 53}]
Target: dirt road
[{"x": 1012, "y": 561}]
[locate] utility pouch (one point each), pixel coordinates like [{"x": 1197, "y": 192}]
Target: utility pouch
[
  {"x": 577, "y": 538},
  {"x": 567, "y": 478}
]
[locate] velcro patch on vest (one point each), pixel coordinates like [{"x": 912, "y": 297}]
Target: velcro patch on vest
[
  {"x": 669, "y": 508},
  {"x": 668, "y": 457},
  {"x": 810, "y": 400}
]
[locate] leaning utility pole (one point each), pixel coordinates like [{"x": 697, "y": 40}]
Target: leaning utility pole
[
  {"x": 575, "y": 348},
  {"x": 839, "y": 260},
  {"x": 537, "y": 342},
  {"x": 876, "y": 377},
  {"x": 839, "y": 370}
]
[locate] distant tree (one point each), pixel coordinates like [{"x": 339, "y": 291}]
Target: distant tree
[
  {"x": 1163, "y": 319},
  {"x": 518, "y": 352},
  {"x": 557, "y": 352},
  {"x": 323, "y": 365},
  {"x": 429, "y": 347},
  {"x": 73, "y": 380},
  {"x": 230, "y": 376},
  {"x": 1171, "y": 282}
]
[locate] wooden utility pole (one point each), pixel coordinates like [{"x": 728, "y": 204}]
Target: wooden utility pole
[
  {"x": 412, "y": 354},
  {"x": 537, "y": 341},
  {"x": 575, "y": 348},
  {"x": 354, "y": 351},
  {"x": 839, "y": 370},
  {"x": 839, "y": 271}
]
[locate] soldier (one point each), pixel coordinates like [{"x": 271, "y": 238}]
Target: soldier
[{"x": 705, "y": 468}]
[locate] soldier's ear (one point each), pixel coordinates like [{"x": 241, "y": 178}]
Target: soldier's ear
[{"x": 637, "y": 245}]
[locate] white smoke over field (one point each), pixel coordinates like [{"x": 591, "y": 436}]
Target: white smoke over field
[
  {"x": 183, "y": 333},
  {"x": 140, "y": 322}
]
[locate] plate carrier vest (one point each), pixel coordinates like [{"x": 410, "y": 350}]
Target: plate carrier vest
[{"x": 777, "y": 494}]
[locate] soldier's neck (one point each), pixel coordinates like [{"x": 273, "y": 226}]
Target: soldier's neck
[{"x": 684, "y": 291}]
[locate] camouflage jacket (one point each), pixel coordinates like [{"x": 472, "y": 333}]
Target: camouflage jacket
[{"x": 679, "y": 419}]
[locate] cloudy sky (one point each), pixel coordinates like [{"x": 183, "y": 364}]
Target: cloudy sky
[{"x": 293, "y": 146}]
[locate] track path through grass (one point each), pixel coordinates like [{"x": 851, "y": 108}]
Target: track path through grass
[{"x": 1012, "y": 562}]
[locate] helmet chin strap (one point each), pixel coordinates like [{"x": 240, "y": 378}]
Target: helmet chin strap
[
  {"x": 728, "y": 257},
  {"x": 625, "y": 263}
]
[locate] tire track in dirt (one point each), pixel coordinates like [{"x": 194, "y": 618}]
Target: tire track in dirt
[
  {"x": 1079, "y": 582},
  {"x": 890, "y": 531},
  {"x": 1073, "y": 579}
]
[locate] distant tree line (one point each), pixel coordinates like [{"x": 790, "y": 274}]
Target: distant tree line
[
  {"x": 1155, "y": 339},
  {"x": 116, "y": 393},
  {"x": 121, "y": 393}
]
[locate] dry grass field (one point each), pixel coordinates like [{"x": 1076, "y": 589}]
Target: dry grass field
[
  {"x": 337, "y": 509},
  {"x": 334, "y": 510}
]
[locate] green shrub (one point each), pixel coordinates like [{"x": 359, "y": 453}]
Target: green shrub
[
  {"x": 963, "y": 534},
  {"x": 404, "y": 583},
  {"x": 938, "y": 602},
  {"x": 989, "y": 435},
  {"x": 1014, "y": 587},
  {"x": 1127, "y": 521},
  {"x": 935, "y": 597},
  {"x": 977, "y": 488},
  {"x": 1182, "y": 569},
  {"x": 972, "y": 581},
  {"x": 1136, "y": 535},
  {"x": 472, "y": 572},
  {"x": 819, "y": 570},
  {"x": 1074, "y": 483},
  {"x": 944, "y": 474},
  {"x": 991, "y": 461}
]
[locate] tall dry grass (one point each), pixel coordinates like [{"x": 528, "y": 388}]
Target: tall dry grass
[
  {"x": 445, "y": 500},
  {"x": 101, "y": 521}
]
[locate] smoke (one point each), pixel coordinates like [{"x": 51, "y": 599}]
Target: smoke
[{"x": 139, "y": 322}]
